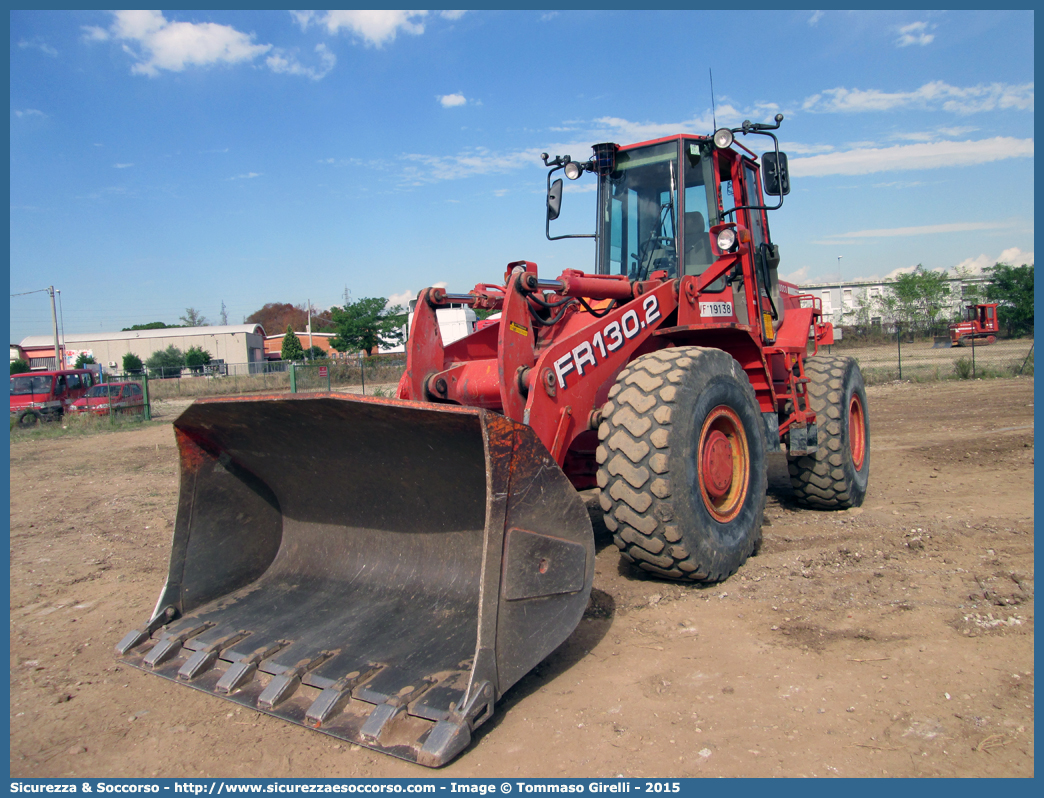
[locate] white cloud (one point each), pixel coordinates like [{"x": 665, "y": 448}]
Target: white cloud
[
  {"x": 451, "y": 100},
  {"x": 303, "y": 18},
  {"x": 41, "y": 45},
  {"x": 931, "y": 96},
  {"x": 92, "y": 33},
  {"x": 934, "y": 135},
  {"x": 501, "y": 192},
  {"x": 29, "y": 112},
  {"x": 954, "y": 227},
  {"x": 478, "y": 161},
  {"x": 159, "y": 44},
  {"x": 286, "y": 63},
  {"x": 374, "y": 28},
  {"x": 912, "y": 156},
  {"x": 247, "y": 176},
  {"x": 914, "y": 33},
  {"x": 122, "y": 165},
  {"x": 814, "y": 19},
  {"x": 1013, "y": 256},
  {"x": 452, "y": 15},
  {"x": 548, "y": 16},
  {"x": 798, "y": 277},
  {"x": 402, "y": 298}
]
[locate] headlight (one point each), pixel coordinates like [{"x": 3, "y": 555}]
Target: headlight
[
  {"x": 723, "y": 138},
  {"x": 727, "y": 240},
  {"x": 573, "y": 170}
]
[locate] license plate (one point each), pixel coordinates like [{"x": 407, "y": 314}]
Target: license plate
[{"x": 715, "y": 308}]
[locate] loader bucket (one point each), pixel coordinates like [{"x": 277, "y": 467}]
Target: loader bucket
[
  {"x": 942, "y": 342},
  {"x": 378, "y": 570}
]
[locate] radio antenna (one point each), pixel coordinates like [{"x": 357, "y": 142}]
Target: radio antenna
[{"x": 714, "y": 116}]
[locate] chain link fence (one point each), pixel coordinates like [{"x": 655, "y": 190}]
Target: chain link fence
[
  {"x": 364, "y": 375},
  {"x": 922, "y": 358}
]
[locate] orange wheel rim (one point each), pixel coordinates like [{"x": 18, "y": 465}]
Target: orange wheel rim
[
  {"x": 856, "y": 432},
  {"x": 723, "y": 464}
]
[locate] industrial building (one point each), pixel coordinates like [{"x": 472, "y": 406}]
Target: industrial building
[{"x": 233, "y": 344}]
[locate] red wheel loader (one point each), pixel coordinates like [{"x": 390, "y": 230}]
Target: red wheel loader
[{"x": 383, "y": 570}]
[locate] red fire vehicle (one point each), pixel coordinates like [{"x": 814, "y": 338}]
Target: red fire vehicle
[{"x": 46, "y": 395}]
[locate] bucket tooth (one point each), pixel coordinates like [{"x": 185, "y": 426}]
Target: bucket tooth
[
  {"x": 452, "y": 734},
  {"x": 203, "y": 659},
  {"x": 169, "y": 645},
  {"x": 388, "y": 710},
  {"x": 285, "y": 684},
  {"x": 381, "y": 716},
  {"x": 135, "y": 638},
  {"x": 334, "y": 697},
  {"x": 242, "y": 670}
]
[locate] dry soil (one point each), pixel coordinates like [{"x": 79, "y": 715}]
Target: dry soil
[{"x": 895, "y": 639}]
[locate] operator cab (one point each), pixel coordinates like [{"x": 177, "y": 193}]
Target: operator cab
[
  {"x": 664, "y": 197},
  {"x": 659, "y": 201}
]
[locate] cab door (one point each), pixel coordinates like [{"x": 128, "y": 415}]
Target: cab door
[{"x": 760, "y": 248}]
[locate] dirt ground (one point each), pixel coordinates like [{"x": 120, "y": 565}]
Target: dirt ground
[{"x": 895, "y": 639}]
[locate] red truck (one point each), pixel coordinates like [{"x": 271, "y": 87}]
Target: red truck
[{"x": 47, "y": 395}]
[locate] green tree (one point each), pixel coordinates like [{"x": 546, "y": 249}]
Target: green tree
[
  {"x": 918, "y": 298},
  {"x": 131, "y": 363},
  {"x": 166, "y": 362},
  {"x": 83, "y": 359},
  {"x": 19, "y": 366},
  {"x": 152, "y": 325},
  {"x": 366, "y": 324},
  {"x": 196, "y": 358},
  {"x": 291, "y": 349},
  {"x": 1012, "y": 287},
  {"x": 193, "y": 318},
  {"x": 315, "y": 353},
  {"x": 972, "y": 290}
]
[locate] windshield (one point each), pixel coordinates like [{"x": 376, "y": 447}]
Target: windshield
[
  {"x": 100, "y": 390},
  {"x": 26, "y": 384},
  {"x": 641, "y": 221}
]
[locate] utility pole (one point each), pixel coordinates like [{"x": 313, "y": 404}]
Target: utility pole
[
  {"x": 54, "y": 321},
  {"x": 224, "y": 314},
  {"x": 840, "y": 289},
  {"x": 309, "y": 329}
]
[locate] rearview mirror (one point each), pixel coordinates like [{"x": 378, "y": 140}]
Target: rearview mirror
[
  {"x": 554, "y": 200},
  {"x": 774, "y": 174}
]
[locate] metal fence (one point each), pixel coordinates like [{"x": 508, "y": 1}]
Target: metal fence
[
  {"x": 919, "y": 359},
  {"x": 360, "y": 376}
]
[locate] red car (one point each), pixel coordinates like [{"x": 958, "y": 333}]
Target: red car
[{"x": 122, "y": 397}]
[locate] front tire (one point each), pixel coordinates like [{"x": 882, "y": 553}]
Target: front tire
[
  {"x": 681, "y": 464},
  {"x": 28, "y": 418},
  {"x": 835, "y": 476}
]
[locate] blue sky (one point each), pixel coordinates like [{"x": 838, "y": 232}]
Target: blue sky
[{"x": 165, "y": 160}]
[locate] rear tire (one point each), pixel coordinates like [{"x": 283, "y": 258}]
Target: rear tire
[
  {"x": 835, "y": 476},
  {"x": 681, "y": 464}
]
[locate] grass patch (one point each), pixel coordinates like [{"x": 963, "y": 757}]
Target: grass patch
[{"x": 77, "y": 425}]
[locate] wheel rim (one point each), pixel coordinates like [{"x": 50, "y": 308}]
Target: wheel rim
[
  {"x": 723, "y": 464},
  {"x": 856, "y": 432}
]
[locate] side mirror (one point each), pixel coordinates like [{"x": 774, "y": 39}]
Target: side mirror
[
  {"x": 774, "y": 174},
  {"x": 554, "y": 200}
]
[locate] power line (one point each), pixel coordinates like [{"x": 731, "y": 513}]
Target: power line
[{"x": 26, "y": 293}]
